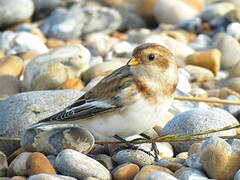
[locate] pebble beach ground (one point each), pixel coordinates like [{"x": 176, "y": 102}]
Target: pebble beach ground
[{"x": 53, "y": 51}]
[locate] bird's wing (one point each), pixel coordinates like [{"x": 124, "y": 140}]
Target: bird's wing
[{"x": 104, "y": 97}]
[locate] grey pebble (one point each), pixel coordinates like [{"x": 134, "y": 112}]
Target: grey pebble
[
  {"x": 50, "y": 177},
  {"x": 72, "y": 163},
  {"x": 134, "y": 156},
  {"x": 80, "y": 20},
  {"x": 199, "y": 120},
  {"x": 233, "y": 109},
  {"x": 193, "y": 174},
  {"x": 21, "y": 110},
  {"x": 15, "y": 11},
  {"x": 194, "y": 162},
  {"x": 160, "y": 176}
]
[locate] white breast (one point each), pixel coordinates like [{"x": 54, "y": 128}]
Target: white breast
[{"x": 135, "y": 119}]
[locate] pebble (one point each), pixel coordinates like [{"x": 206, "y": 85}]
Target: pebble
[
  {"x": 219, "y": 159},
  {"x": 194, "y": 149},
  {"x": 11, "y": 65},
  {"x": 29, "y": 55},
  {"x": 81, "y": 20},
  {"x": 193, "y": 161},
  {"x": 28, "y": 108},
  {"x": 217, "y": 9},
  {"x": 55, "y": 139},
  {"x": 50, "y": 177},
  {"x": 72, "y": 163},
  {"x": 209, "y": 59},
  {"x": 168, "y": 12},
  {"x": 55, "y": 67},
  {"x": 233, "y": 30},
  {"x": 170, "y": 163},
  {"x": 14, "y": 43},
  {"x": 2, "y": 53},
  {"x": 106, "y": 161},
  {"x": 15, "y": 11},
  {"x": 146, "y": 8},
  {"x": 233, "y": 15},
  {"x": 100, "y": 69},
  {"x": 234, "y": 83},
  {"x": 237, "y": 175},
  {"x": 134, "y": 156},
  {"x": 179, "y": 49},
  {"x": 18, "y": 178},
  {"x": 9, "y": 85},
  {"x": 160, "y": 175},
  {"x": 201, "y": 43},
  {"x": 126, "y": 171},
  {"x": 233, "y": 109},
  {"x": 235, "y": 71},
  {"x": 199, "y": 120},
  {"x": 148, "y": 169},
  {"x": 37, "y": 163},
  {"x": 230, "y": 49},
  {"x": 189, "y": 174},
  {"x": 183, "y": 81},
  {"x": 131, "y": 19},
  {"x": 192, "y": 25},
  {"x": 73, "y": 84},
  {"x": 53, "y": 43},
  {"x": 18, "y": 167},
  {"x": 3, "y": 164}
]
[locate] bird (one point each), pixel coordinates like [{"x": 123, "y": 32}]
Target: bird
[{"x": 128, "y": 101}]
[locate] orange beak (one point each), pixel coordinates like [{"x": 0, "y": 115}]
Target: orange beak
[{"x": 133, "y": 62}]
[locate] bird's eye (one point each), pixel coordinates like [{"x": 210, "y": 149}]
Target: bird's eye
[{"x": 151, "y": 57}]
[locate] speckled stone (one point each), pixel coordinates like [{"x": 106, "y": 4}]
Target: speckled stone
[
  {"x": 199, "y": 120},
  {"x": 29, "y": 108},
  {"x": 80, "y": 166}
]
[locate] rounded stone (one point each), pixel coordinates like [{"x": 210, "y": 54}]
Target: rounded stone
[
  {"x": 18, "y": 178},
  {"x": 234, "y": 83},
  {"x": 233, "y": 15},
  {"x": 80, "y": 166},
  {"x": 172, "y": 164},
  {"x": 21, "y": 110},
  {"x": 15, "y": 11},
  {"x": 219, "y": 159},
  {"x": 235, "y": 71},
  {"x": 209, "y": 59},
  {"x": 106, "y": 161},
  {"x": 14, "y": 43},
  {"x": 146, "y": 7},
  {"x": 194, "y": 149},
  {"x": 134, "y": 156},
  {"x": 11, "y": 65},
  {"x": 9, "y": 85},
  {"x": 55, "y": 67},
  {"x": 192, "y": 174},
  {"x": 38, "y": 163},
  {"x": 55, "y": 43},
  {"x": 148, "y": 169},
  {"x": 237, "y": 175},
  {"x": 217, "y": 9},
  {"x": 230, "y": 49},
  {"x": 3, "y": 164},
  {"x": 168, "y": 11},
  {"x": 29, "y": 55},
  {"x": 18, "y": 167},
  {"x": 73, "y": 84},
  {"x": 199, "y": 120},
  {"x": 126, "y": 171},
  {"x": 160, "y": 176},
  {"x": 50, "y": 177},
  {"x": 54, "y": 139}
]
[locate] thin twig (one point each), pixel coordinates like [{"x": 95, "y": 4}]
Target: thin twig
[{"x": 221, "y": 101}]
